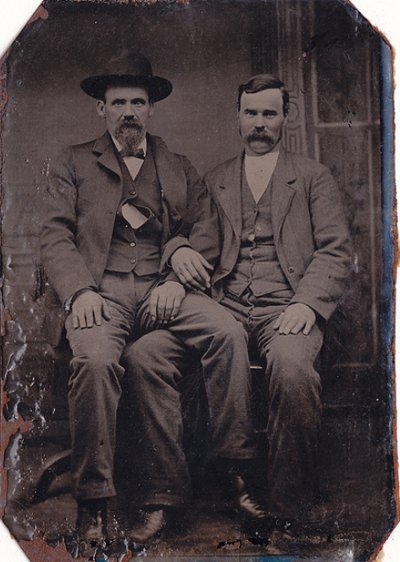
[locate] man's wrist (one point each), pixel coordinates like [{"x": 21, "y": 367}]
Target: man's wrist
[{"x": 70, "y": 301}]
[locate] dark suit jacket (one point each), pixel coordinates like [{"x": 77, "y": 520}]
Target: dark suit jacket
[
  {"x": 310, "y": 231},
  {"x": 85, "y": 190}
]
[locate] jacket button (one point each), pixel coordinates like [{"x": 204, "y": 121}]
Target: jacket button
[
  {"x": 291, "y": 269},
  {"x": 132, "y": 244}
]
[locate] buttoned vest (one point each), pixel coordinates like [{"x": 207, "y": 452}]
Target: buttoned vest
[
  {"x": 257, "y": 271},
  {"x": 138, "y": 250}
]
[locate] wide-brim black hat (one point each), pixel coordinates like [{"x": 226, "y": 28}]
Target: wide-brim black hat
[{"x": 130, "y": 69}]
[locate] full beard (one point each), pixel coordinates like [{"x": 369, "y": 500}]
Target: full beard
[{"x": 129, "y": 134}]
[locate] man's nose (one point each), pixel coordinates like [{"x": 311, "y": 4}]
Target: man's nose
[
  {"x": 130, "y": 110},
  {"x": 259, "y": 124}
]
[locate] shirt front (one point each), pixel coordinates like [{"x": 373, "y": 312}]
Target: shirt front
[{"x": 259, "y": 170}]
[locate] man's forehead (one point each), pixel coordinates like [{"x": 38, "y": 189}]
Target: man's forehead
[
  {"x": 126, "y": 92},
  {"x": 270, "y": 98}
]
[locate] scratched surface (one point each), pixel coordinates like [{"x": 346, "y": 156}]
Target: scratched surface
[{"x": 331, "y": 60}]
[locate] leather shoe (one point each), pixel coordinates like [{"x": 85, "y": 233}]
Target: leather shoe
[
  {"x": 245, "y": 503},
  {"x": 154, "y": 522},
  {"x": 91, "y": 524}
]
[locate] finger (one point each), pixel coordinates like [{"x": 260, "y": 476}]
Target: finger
[
  {"x": 193, "y": 284},
  {"x": 193, "y": 277},
  {"x": 146, "y": 322},
  {"x": 287, "y": 325},
  {"x": 181, "y": 277},
  {"x": 82, "y": 318},
  {"x": 307, "y": 327},
  {"x": 151, "y": 322},
  {"x": 153, "y": 305},
  {"x": 75, "y": 320},
  {"x": 297, "y": 327},
  {"x": 161, "y": 308},
  {"x": 205, "y": 263},
  {"x": 176, "y": 307},
  {"x": 278, "y": 321},
  {"x": 169, "y": 305},
  {"x": 106, "y": 311},
  {"x": 198, "y": 271},
  {"x": 89, "y": 317},
  {"x": 189, "y": 281},
  {"x": 97, "y": 315}
]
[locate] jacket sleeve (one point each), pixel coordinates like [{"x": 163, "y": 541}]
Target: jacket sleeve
[
  {"x": 200, "y": 225},
  {"x": 323, "y": 282},
  {"x": 60, "y": 256}
]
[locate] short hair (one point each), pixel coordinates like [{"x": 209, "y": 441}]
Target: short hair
[
  {"x": 120, "y": 82},
  {"x": 261, "y": 82}
]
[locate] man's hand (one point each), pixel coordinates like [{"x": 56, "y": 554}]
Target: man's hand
[
  {"x": 191, "y": 268},
  {"x": 295, "y": 318},
  {"x": 89, "y": 308},
  {"x": 164, "y": 303}
]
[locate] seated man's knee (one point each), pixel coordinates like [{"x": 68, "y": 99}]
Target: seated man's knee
[
  {"x": 140, "y": 351},
  {"x": 291, "y": 360},
  {"x": 228, "y": 329},
  {"x": 159, "y": 350}
]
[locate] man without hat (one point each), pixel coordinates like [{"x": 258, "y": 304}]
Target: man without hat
[
  {"x": 121, "y": 209},
  {"x": 284, "y": 258}
]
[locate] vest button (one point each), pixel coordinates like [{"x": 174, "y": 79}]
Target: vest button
[
  {"x": 132, "y": 244},
  {"x": 132, "y": 192},
  {"x": 132, "y": 260},
  {"x": 291, "y": 269},
  {"x": 251, "y": 237}
]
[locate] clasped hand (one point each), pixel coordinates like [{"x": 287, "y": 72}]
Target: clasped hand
[{"x": 191, "y": 268}]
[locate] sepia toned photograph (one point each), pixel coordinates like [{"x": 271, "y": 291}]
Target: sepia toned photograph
[{"x": 197, "y": 282}]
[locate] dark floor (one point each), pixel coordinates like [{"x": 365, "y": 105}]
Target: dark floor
[{"x": 355, "y": 487}]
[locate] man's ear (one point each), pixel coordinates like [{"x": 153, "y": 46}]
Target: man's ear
[
  {"x": 151, "y": 109},
  {"x": 100, "y": 106}
]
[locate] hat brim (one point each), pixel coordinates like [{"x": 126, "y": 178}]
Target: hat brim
[{"x": 157, "y": 87}]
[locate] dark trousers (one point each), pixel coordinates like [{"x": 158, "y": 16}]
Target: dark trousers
[
  {"x": 294, "y": 407},
  {"x": 95, "y": 382}
]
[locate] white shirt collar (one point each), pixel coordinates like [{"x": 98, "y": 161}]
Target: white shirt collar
[{"x": 266, "y": 160}]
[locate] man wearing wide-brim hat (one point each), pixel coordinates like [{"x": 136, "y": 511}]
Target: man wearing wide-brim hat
[{"x": 121, "y": 210}]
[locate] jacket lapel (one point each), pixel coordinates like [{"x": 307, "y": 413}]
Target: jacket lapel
[
  {"x": 107, "y": 158},
  {"x": 229, "y": 195},
  {"x": 283, "y": 186},
  {"x": 170, "y": 175}
]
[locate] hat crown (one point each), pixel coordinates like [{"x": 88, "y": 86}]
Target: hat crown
[
  {"x": 129, "y": 63},
  {"x": 129, "y": 68}
]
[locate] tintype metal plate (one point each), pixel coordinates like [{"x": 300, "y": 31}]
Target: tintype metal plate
[{"x": 339, "y": 73}]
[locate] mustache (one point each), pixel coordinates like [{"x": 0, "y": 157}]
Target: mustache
[
  {"x": 260, "y": 137},
  {"x": 130, "y": 123}
]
